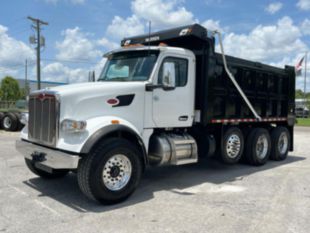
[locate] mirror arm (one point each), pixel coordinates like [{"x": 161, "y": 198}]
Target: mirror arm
[
  {"x": 167, "y": 88},
  {"x": 151, "y": 87}
]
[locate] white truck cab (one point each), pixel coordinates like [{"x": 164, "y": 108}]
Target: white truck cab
[{"x": 140, "y": 89}]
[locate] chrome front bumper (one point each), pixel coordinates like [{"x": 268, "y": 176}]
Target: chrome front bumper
[{"x": 51, "y": 158}]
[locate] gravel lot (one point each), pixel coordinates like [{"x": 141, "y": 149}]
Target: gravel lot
[{"x": 205, "y": 197}]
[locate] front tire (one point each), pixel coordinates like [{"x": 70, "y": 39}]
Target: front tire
[
  {"x": 55, "y": 174},
  {"x": 258, "y": 147},
  {"x": 111, "y": 172}
]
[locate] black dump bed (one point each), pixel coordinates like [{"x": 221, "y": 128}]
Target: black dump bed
[{"x": 271, "y": 90}]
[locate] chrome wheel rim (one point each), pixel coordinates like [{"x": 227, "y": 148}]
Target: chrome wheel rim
[
  {"x": 7, "y": 122},
  {"x": 262, "y": 147},
  {"x": 233, "y": 146},
  {"x": 117, "y": 172},
  {"x": 283, "y": 143}
]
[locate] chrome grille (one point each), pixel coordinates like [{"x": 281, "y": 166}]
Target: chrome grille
[{"x": 43, "y": 118}]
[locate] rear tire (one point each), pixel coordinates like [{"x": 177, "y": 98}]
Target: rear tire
[
  {"x": 281, "y": 142},
  {"x": 20, "y": 125},
  {"x": 46, "y": 175},
  {"x": 1, "y": 118},
  {"x": 10, "y": 122},
  {"x": 111, "y": 172},
  {"x": 258, "y": 147},
  {"x": 232, "y": 146}
]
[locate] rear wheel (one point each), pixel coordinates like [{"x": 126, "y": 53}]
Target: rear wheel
[
  {"x": 258, "y": 147},
  {"x": 10, "y": 122},
  {"x": 46, "y": 175},
  {"x": 280, "y": 138},
  {"x": 1, "y": 118},
  {"x": 232, "y": 146},
  {"x": 111, "y": 172},
  {"x": 20, "y": 125}
]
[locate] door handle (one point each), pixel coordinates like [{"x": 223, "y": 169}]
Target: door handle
[{"x": 183, "y": 118}]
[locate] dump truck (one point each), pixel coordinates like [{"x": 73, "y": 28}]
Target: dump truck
[
  {"x": 163, "y": 99},
  {"x": 11, "y": 115}
]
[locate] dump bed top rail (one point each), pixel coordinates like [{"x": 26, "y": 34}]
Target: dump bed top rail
[{"x": 194, "y": 30}]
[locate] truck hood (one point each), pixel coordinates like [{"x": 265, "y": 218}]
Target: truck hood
[
  {"x": 96, "y": 88},
  {"x": 88, "y": 100}
]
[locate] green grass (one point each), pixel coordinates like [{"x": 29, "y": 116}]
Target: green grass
[
  {"x": 12, "y": 110},
  {"x": 303, "y": 121}
]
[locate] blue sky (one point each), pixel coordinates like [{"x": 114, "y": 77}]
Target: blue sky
[{"x": 80, "y": 31}]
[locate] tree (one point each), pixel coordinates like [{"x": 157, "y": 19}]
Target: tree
[
  {"x": 10, "y": 89},
  {"x": 299, "y": 94},
  {"x": 23, "y": 94}
]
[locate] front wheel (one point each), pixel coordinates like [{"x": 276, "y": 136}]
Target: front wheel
[{"x": 111, "y": 172}]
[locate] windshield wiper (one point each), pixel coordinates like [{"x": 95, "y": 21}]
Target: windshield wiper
[{"x": 114, "y": 79}]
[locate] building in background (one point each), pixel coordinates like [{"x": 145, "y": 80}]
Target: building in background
[
  {"x": 33, "y": 84},
  {"x": 302, "y": 107}
]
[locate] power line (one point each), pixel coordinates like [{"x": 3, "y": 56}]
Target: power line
[
  {"x": 70, "y": 61},
  {"x": 16, "y": 65}
]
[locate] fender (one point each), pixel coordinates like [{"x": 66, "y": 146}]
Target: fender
[{"x": 99, "y": 134}]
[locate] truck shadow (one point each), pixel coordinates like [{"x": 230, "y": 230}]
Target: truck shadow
[{"x": 173, "y": 178}]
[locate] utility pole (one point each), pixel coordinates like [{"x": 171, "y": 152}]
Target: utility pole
[
  {"x": 37, "y": 23},
  {"x": 91, "y": 76},
  {"x": 26, "y": 77},
  {"x": 305, "y": 85}
]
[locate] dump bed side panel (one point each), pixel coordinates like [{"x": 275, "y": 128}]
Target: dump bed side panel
[{"x": 269, "y": 89}]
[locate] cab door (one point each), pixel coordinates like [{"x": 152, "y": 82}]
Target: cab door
[{"x": 173, "y": 103}]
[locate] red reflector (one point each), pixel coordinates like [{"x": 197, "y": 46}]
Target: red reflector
[{"x": 113, "y": 101}]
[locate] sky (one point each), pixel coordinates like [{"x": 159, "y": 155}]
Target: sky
[{"x": 81, "y": 31}]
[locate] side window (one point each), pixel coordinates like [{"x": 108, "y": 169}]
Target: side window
[{"x": 180, "y": 66}]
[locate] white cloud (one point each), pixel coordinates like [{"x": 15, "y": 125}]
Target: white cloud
[
  {"x": 120, "y": 28},
  {"x": 57, "y": 72},
  {"x": 212, "y": 25},
  {"x": 13, "y": 53},
  {"x": 305, "y": 27},
  {"x": 110, "y": 45},
  {"x": 162, "y": 13},
  {"x": 266, "y": 43},
  {"x": 303, "y": 5},
  {"x": 274, "y": 7},
  {"x": 75, "y": 2},
  {"x": 76, "y": 45}
]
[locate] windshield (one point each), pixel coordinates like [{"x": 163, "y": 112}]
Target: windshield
[{"x": 129, "y": 66}]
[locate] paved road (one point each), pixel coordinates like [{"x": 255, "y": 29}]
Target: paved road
[{"x": 205, "y": 197}]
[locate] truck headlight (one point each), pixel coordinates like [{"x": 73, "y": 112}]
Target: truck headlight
[
  {"x": 73, "y": 125},
  {"x": 24, "y": 116}
]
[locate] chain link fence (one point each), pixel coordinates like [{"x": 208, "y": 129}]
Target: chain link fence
[{"x": 7, "y": 104}]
